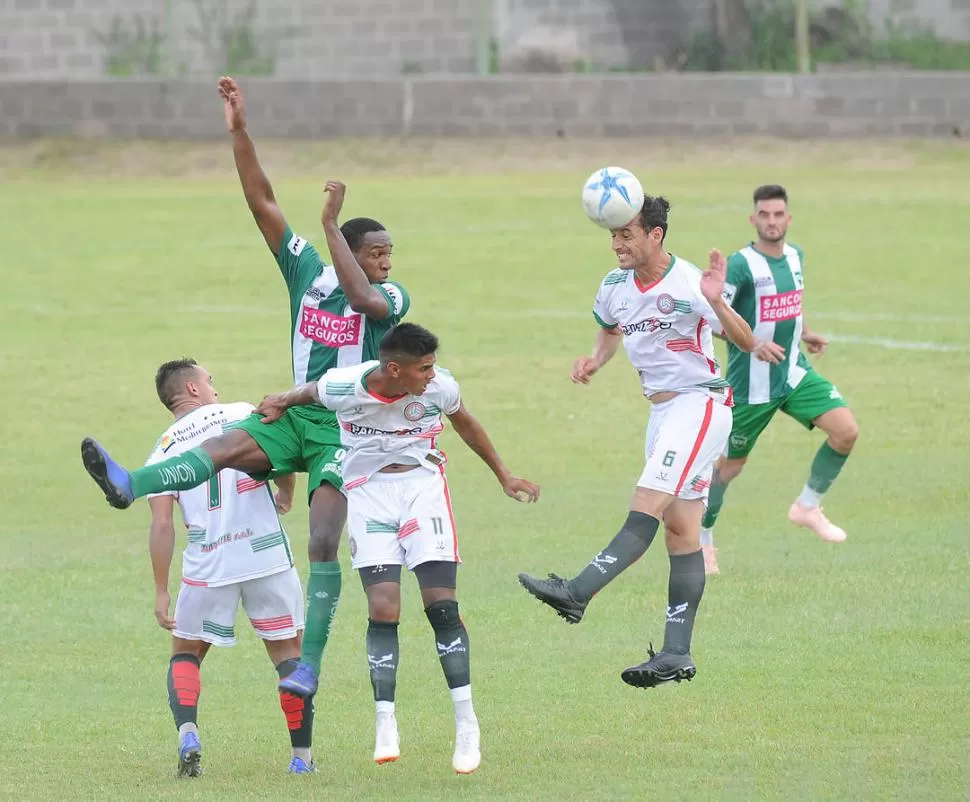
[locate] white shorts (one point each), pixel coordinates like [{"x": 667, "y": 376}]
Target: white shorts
[
  {"x": 685, "y": 436},
  {"x": 401, "y": 519},
  {"x": 273, "y": 603}
]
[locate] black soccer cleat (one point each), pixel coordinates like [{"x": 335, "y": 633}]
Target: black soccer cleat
[
  {"x": 661, "y": 667},
  {"x": 554, "y": 591}
]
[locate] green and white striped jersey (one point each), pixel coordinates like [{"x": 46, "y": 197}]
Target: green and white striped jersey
[
  {"x": 327, "y": 333},
  {"x": 767, "y": 292}
]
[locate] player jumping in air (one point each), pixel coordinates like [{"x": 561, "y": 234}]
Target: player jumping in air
[
  {"x": 237, "y": 551},
  {"x": 391, "y": 413},
  {"x": 764, "y": 285},
  {"x": 338, "y": 314},
  {"x": 665, "y": 312}
]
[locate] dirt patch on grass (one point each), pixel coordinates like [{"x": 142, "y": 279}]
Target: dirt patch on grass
[{"x": 142, "y": 159}]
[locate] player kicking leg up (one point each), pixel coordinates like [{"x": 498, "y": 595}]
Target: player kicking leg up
[
  {"x": 391, "y": 412},
  {"x": 666, "y": 313}
]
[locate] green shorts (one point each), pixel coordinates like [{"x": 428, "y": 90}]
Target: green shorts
[
  {"x": 305, "y": 440},
  {"x": 814, "y": 396}
]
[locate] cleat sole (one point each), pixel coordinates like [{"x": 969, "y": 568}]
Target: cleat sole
[
  {"x": 643, "y": 678},
  {"x": 569, "y": 616},
  {"x": 97, "y": 469}
]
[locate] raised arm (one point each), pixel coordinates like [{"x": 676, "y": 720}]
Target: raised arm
[
  {"x": 363, "y": 297},
  {"x": 736, "y": 328},
  {"x": 161, "y": 547},
  {"x": 273, "y": 406},
  {"x": 476, "y": 438},
  {"x": 255, "y": 184}
]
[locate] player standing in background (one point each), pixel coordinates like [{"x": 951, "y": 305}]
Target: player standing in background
[
  {"x": 764, "y": 285},
  {"x": 338, "y": 314},
  {"x": 237, "y": 551},
  {"x": 664, "y": 311},
  {"x": 390, "y": 412}
]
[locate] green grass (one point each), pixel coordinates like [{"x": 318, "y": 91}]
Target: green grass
[{"x": 825, "y": 671}]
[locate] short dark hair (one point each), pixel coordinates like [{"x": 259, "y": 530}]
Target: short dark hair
[
  {"x": 407, "y": 342},
  {"x": 653, "y": 214},
  {"x": 170, "y": 377},
  {"x": 770, "y": 192},
  {"x": 354, "y": 230}
]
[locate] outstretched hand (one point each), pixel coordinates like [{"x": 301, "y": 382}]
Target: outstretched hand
[
  {"x": 521, "y": 489},
  {"x": 234, "y": 105},
  {"x": 712, "y": 282},
  {"x": 272, "y": 407},
  {"x": 583, "y": 370},
  {"x": 814, "y": 343}
]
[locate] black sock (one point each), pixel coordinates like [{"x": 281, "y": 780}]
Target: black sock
[
  {"x": 297, "y": 709},
  {"x": 183, "y": 688},
  {"x": 625, "y": 549},
  {"x": 382, "y": 655},
  {"x": 684, "y": 591},
  {"x": 451, "y": 640}
]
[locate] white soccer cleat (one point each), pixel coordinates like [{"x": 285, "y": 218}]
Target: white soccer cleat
[
  {"x": 387, "y": 745},
  {"x": 710, "y": 560},
  {"x": 814, "y": 519},
  {"x": 468, "y": 755}
]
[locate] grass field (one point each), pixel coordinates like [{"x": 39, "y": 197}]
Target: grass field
[{"x": 825, "y": 671}]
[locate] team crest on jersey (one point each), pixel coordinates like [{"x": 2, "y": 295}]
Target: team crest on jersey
[
  {"x": 353, "y": 547},
  {"x": 414, "y": 411},
  {"x": 665, "y": 304}
]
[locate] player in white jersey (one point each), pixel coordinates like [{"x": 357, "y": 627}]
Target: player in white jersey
[
  {"x": 237, "y": 551},
  {"x": 665, "y": 312},
  {"x": 391, "y": 413}
]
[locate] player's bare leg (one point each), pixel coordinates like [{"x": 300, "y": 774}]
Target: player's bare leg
[
  {"x": 569, "y": 597},
  {"x": 298, "y": 710},
  {"x": 382, "y": 584},
  {"x": 843, "y": 431},
  {"x": 726, "y": 470},
  {"x": 183, "y": 698},
  {"x": 234, "y": 449},
  {"x": 682, "y": 519},
  {"x": 438, "y": 581},
  {"x": 328, "y": 514}
]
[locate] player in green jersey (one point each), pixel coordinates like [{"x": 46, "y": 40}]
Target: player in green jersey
[
  {"x": 338, "y": 314},
  {"x": 764, "y": 285}
]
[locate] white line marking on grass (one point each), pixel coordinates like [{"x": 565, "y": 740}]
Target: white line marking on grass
[
  {"x": 896, "y": 345},
  {"x": 863, "y": 317}
]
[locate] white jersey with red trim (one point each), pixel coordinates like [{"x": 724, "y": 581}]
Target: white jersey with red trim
[
  {"x": 234, "y": 531},
  {"x": 667, "y": 329},
  {"x": 379, "y": 431}
]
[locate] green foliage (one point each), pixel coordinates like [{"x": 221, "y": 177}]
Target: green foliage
[
  {"x": 232, "y": 42},
  {"x": 132, "y": 48}
]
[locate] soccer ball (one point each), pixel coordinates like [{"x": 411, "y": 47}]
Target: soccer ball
[{"x": 612, "y": 197}]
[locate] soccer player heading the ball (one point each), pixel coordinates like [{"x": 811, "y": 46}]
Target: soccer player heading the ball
[
  {"x": 664, "y": 311},
  {"x": 337, "y": 313},
  {"x": 391, "y": 414}
]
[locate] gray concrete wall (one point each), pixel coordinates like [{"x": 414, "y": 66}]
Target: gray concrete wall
[
  {"x": 849, "y": 104},
  {"x": 328, "y": 39}
]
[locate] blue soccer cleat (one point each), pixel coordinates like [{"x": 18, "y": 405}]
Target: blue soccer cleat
[
  {"x": 190, "y": 756},
  {"x": 303, "y": 681},
  {"x": 297, "y": 766},
  {"x": 114, "y": 480}
]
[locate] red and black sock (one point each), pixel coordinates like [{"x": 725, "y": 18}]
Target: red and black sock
[
  {"x": 297, "y": 709},
  {"x": 184, "y": 685}
]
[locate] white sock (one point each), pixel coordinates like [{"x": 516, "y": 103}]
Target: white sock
[
  {"x": 187, "y": 727},
  {"x": 707, "y": 536},
  {"x": 385, "y": 707},
  {"x": 303, "y": 753},
  {"x": 462, "y": 697},
  {"x": 809, "y": 497}
]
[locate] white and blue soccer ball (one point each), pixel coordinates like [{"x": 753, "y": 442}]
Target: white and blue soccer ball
[{"x": 612, "y": 197}]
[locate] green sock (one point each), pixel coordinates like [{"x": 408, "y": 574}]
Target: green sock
[
  {"x": 322, "y": 594},
  {"x": 825, "y": 468},
  {"x": 183, "y": 472},
  {"x": 715, "y": 500}
]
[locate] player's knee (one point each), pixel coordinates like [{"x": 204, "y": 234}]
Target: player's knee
[
  {"x": 443, "y": 615},
  {"x": 729, "y": 470},
  {"x": 844, "y": 438},
  {"x": 328, "y": 513}
]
